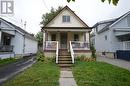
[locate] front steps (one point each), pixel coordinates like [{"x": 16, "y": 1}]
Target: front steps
[{"x": 64, "y": 59}]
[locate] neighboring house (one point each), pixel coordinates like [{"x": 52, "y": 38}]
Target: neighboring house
[
  {"x": 66, "y": 32},
  {"x": 113, "y": 35},
  {"x": 15, "y": 41}
]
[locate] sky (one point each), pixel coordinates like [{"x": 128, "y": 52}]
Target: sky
[{"x": 90, "y": 11}]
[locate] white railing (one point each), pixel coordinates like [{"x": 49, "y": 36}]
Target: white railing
[
  {"x": 57, "y": 50},
  {"x": 72, "y": 52},
  {"x": 77, "y": 45},
  {"x": 50, "y": 45}
]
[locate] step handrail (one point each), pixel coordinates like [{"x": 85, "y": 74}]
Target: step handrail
[
  {"x": 57, "y": 50},
  {"x": 72, "y": 52}
]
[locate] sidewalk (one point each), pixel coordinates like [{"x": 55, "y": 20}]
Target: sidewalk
[
  {"x": 117, "y": 62},
  {"x": 66, "y": 78}
]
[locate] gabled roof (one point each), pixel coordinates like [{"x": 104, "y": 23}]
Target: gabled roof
[
  {"x": 66, "y": 7},
  {"x": 111, "y": 22},
  {"x": 19, "y": 29},
  {"x": 120, "y": 18}
]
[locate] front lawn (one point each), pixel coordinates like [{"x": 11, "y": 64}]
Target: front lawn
[
  {"x": 100, "y": 74},
  {"x": 40, "y": 74}
]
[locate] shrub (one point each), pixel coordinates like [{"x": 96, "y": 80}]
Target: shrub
[
  {"x": 92, "y": 48},
  {"x": 40, "y": 56}
]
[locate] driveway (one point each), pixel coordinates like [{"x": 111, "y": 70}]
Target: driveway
[
  {"x": 117, "y": 62},
  {"x": 10, "y": 70}
]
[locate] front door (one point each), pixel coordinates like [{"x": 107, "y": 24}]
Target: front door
[{"x": 63, "y": 40}]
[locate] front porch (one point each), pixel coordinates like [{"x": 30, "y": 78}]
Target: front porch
[
  {"x": 6, "y": 49},
  {"x": 76, "y": 43}
]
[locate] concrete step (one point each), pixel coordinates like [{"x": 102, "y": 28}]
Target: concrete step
[
  {"x": 64, "y": 56},
  {"x": 65, "y": 65},
  {"x": 64, "y": 61}
]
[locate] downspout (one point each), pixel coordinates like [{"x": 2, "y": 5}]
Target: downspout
[
  {"x": 0, "y": 36},
  {"x": 23, "y": 45}
]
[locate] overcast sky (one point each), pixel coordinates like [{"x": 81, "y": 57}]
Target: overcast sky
[{"x": 90, "y": 11}]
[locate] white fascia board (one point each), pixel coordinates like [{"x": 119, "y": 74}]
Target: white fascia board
[{"x": 74, "y": 30}]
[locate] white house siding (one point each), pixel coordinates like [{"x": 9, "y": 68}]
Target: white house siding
[
  {"x": 30, "y": 46},
  {"x": 101, "y": 44},
  {"x": 115, "y": 42},
  {"x": 57, "y": 22},
  {"x": 122, "y": 23},
  {"x": 18, "y": 43}
]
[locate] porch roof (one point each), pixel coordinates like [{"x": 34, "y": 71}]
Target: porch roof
[{"x": 67, "y": 29}]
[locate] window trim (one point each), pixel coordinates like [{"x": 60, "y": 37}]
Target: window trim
[{"x": 65, "y": 19}]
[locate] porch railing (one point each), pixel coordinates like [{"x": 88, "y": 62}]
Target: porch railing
[
  {"x": 6, "y": 48},
  {"x": 72, "y": 52},
  {"x": 77, "y": 45},
  {"x": 52, "y": 45}
]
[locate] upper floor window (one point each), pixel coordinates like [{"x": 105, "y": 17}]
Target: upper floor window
[{"x": 65, "y": 18}]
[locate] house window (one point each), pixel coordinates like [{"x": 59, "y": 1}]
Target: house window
[
  {"x": 7, "y": 40},
  {"x": 53, "y": 37},
  {"x": 76, "y": 37},
  {"x": 65, "y": 18},
  {"x": 105, "y": 37}
]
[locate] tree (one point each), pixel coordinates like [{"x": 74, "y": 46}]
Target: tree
[
  {"x": 39, "y": 38},
  {"x": 47, "y": 17},
  {"x": 110, "y": 1}
]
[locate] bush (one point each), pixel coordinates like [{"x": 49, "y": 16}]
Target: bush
[
  {"x": 92, "y": 48},
  {"x": 41, "y": 57}
]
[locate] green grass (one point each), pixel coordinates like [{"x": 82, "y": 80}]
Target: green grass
[
  {"x": 40, "y": 74},
  {"x": 7, "y": 61},
  {"x": 100, "y": 74}
]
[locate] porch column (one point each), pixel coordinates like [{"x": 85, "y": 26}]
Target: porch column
[
  {"x": 0, "y": 36},
  {"x": 58, "y": 38},
  {"x": 44, "y": 40},
  {"x": 87, "y": 37}
]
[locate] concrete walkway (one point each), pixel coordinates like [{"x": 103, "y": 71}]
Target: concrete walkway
[
  {"x": 117, "y": 62},
  {"x": 66, "y": 78}
]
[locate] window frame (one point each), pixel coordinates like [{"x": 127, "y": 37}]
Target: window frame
[{"x": 66, "y": 19}]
